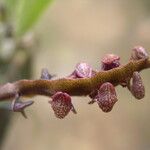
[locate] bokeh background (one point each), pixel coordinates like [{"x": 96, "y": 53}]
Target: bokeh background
[{"x": 70, "y": 31}]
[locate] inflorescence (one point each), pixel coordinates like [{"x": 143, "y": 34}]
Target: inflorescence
[{"x": 104, "y": 94}]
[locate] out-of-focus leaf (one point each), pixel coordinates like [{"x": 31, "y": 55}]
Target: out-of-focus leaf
[
  {"x": 25, "y": 13},
  {"x": 28, "y": 12},
  {"x": 11, "y": 7}
]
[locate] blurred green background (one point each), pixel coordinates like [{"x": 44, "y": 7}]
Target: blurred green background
[{"x": 56, "y": 35}]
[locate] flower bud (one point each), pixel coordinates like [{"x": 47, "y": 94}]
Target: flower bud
[
  {"x": 139, "y": 52},
  {"x": 106, "y": 97},
  {"x": 61, "y": 104},
  {"x": 83, "y": 70},
  {"x": 137, "y": 87},
  {"x": 110, "y": 61}
]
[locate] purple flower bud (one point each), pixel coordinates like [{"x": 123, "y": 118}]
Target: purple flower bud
[
  {"x": 83, "y": 70},
  {"x": 137, "y": 87},
  {"x": 61, "y": 104},
  {"x": 139, "y": 52},
  {"x": 110, "y": 61},
  {"x": 106, "y": 97}
]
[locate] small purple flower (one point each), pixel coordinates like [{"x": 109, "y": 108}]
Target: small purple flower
[
  {"x": 110, "y": 61},
  {"x": 139, "y": 52},
  {"x": 82, "y": 70},
  {"x": 61, "y": 104},
  {"x": 137, "y": 86},
  {"x": 106, "y": 97}
]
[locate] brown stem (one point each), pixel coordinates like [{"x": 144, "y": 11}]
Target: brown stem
[{"x": 74, "y": 87}]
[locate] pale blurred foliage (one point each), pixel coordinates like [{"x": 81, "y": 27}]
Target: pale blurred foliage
[{"x": 84, "y": 30}]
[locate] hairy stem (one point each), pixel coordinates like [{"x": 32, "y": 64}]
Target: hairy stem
[{"x": 74, "y": 87}]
